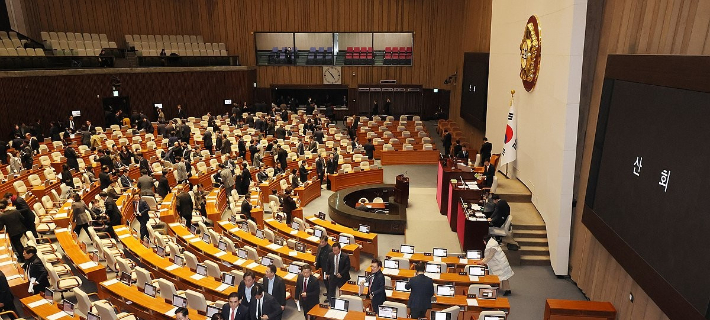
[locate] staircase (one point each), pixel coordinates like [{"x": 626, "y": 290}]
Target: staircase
[
  {"x": 132, "y": 59},
  {"x": 532, "y": 240}
]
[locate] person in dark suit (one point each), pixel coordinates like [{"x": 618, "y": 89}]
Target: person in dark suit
[
  {"x": 386, "y": 111},
  {"x": 463, "y": 154},
  {"x": 143, "y": 217},
  {"x": 226, "y": 145},
  {"x": 422, "y": 289},
  {"x": 369, "y": 149},
  {"x": 264, "y": 306},
  {"x": 234, "y": 309},
  {"x": 253, "y": 150},
  {"x": 275, "y": 286},
  {"x": 447, "y": 142},
  {"x": 28, "y": 216},
  {"x": 246, "y": 209},
  {"x": 375, "y": 108},
  {"x": 104, "y": 177},
  {"x": 163, "y": 186},
  {"x": 337, "y": 270},
  {"x": 307, "y": 290},
  {"x": 14, "y": 225},
  {"x": 245, "y": 180},
  {"x": 37, "y": 273},
  {"x": 282, "y": 156},
  {"x": 246, "y": 288},
  {"x": 7, "y": 300},
  {"x": 145, "y": 184},
  {"x": 71, "y": 156},
  {"x": 207, "y": 140},
  {"x": 288, "y": 205},
  {"x": 489, "y": 172},
  {"x": 324, "y": 251},
  {"x": 185, "y": 205},
  {"x": 486, "y": 148},
  {"x": 180, "y": 113},
  {"x": 318, "y": 135},
  {"x": 303, "y": 172},
  {"x": 111, "y": 210},
  {"x": 320, "y": 168},
  {"x": 143, "y": 163},
  {"x": 501, "y": 212},
  {"x": 331, "y": 166},
  {"x": 376, "y": 288},
  {"x": 457, "y": 148}
]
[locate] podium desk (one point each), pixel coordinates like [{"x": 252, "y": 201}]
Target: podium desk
[
  {"x": 470, "y": 232},
  {"x": 456, "y": 193},
  {"x": 308, "y": 192},
  {"x": 444, "y": 174}
]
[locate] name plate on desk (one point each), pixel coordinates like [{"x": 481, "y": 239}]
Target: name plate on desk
[{"x": 427, "y": 254}]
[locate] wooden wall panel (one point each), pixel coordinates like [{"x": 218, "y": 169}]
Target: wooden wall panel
[
  {"x": 627, "y": 27},
  {"x": 52, "y": 98}
]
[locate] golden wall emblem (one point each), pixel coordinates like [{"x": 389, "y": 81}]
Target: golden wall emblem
[{"x": 530, "y": 49}]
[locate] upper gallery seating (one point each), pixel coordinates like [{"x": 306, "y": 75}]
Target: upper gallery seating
[
  {"x": 151, "y": 45},
  {"x": 76, "y": 44},
  {"x": 11, "y": 45}
]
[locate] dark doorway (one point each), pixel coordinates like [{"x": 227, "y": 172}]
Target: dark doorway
[{"x": 474, "y": 89}]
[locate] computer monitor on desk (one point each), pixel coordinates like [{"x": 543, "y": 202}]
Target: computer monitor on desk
[
  {"x": 179, "y": 301},
  {"x": 242, "y": 253},
  {"x": 400, "y": 285},
  {"x": 433, "y": 268},
  {"x": 339, "y": 304},
  {"x": 445, "y": 290},
  {"x": 201, "y": 269},
  {"x": 473, "y": 254},
  {"x": 294, "y": 268},
  {"x": 438, "y": 315},
  {"x": 212, "y": 310},
  {"x": 68, "y": 307},
  {"x": 387, "y": 312},
  {"x": 344, "y": 240},
  {"x": 478, "y": 271},
  {"x": 406, "y": 249},
  {"x": 179, "y": 260},
  {"x": 391, "y": 264},
  {"x": 92, "y": 316},
  {"x": 228, "y": 278},
  {"x": 317, "y": 233},
  {"x": 149, "y": 289},
  {"x": 440, "y": 252}
]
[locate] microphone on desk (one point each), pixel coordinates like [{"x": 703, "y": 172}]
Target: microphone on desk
[{"x": 463, "y": 183}]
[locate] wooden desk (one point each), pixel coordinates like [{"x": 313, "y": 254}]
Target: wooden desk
[
  {"x": 39, "y": 307},
  {"x": 346, "y": 180},
  {"x": 409, "y": 157},
  {"x": 319, "y": 313},
  {"x": 443, "y": 176},
  {"x": 204, "y": 179},
  {"x": 375, "y": 205},
  {"x": 140, "y": 304},
  {"x": 441, "y": 302},
  {"x": 420, "y": 257},
  {"x": 460, "y": 281},
  {"x": 367, "y": 240},
  {"x": 309, "y": 240},
  {"x": 183, "y": 277},
  {"x": 308, "y": 192},
  {"x": 93, "y": 271},
  {"x": 13, "y": 271},
  {"x": 264, "y": 245},
  {"x": 166, "y": 209},
  {"x": 584, "y": 310}
]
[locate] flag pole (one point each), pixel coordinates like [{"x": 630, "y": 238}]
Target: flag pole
[{"x": 512, "y": 96}]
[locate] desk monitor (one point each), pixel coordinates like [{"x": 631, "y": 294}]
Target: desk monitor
[
  {"x": 260, "y": 233},
  {"x": 300, "y": 247},
  {"x": 487, "y": 293},
  {"x": 49, "y": 295},
  {"x": 363, "y": 279},
  {"x": 68, "y": 307},
  {"x": 473, "y": 254},
  {"x": 221, "y": 245},
  {"x": 244, "y": 226},
  {"x": 345, "y": 240},
  {"x": 115, "y": 93},
  {"x": 445, "y": 290},
  {"x": 279, "y": 240},
  {"x": 440, "y": 252},
  {"x": 438, "y": 315},
  {"x": 126, "y": 278},
  {"x": 179, "y": 301},
  {"x": 242, "y": 253},
  {"x": 391, "y": 264},
  {"x": 206, "y": 237},
  {"x": 212, "y": 310},
  {"x": 364, "y": 228},
  {"x": 160, "y": 251},
  {"x": 494, "y": 317},
  {"x": 179, "y": 260},
  {"x": 339, "y": 304},
  {"x": 149, "y": 289},
  {"x": 228, "y": 278},
  {"x": 233, "y": 219},
  {"x": 317, "y": 233},
  {"x": 146, "y": 242},
  {"x": 387, "y": 312},
  {"x": 266, "y": 261},
  {"x": 321, "y": 215},
  {"x": 433, "y": 268},
  {"x": 295, "y": 226},
  {"x": 193, "y": 229},
  {"x": 226, "y": 101},
  {"x": 399, "y": 285},
  {"x": 406, "y": 249},
  {"x": 478, "y": 271},
  {"x": 92, "y": 316},
  {"x": 294, "y": 268},
  {"x": 157, "y": 105},
  {"x": 201, "y": 269}
]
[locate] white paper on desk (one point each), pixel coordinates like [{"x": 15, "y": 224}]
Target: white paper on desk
[
  {"x": 463, "y": 261},
  {"x": 407, "y": 255},
  {"x": 472, "y": 302},
  {"x": 240, "y": 261},
  {"x": 290, "y": 276},
  {"x": 293, "y": 232},
  {"x": 341, "y": 314},
  {"x": 219, "y": 254},
  {"x": 223, "y": 222},
  {"x": 474, "y": 278},
  {"x": 174, "y": 224},
  {"x": 87, "y": 265},
  {"x": 390, "y": 272},
  {"x": 124, "y": 235},
  {"x": 171, "y": 312},
  {"x": 193, "y": 240},
  {"x": 4, "y": 256},
  {"x": 293, "y": 253},
  {"x": 313, "y": 239},
  {"x": 121, "y": 229},
  {"x": 330, "y": 314},
  {"x": 111, "y": 282},
  {"x": 60, "y": 230},
  {"x": 61, "y": 215},
  {"x": 37, "y": 303},
  {"x": 189, "y": 236},
  {"x": 437, "y": 259},
  {"x": 60, "y": 314},
  {"x": 235, "y": 229},
  {"x": 222, "y": 287},
  {"x": 197, "y": 277},
  {"x": 5, "y": 263},
  {"x": 172, "y": 267},
  {"x": 14, "y": 276},
  {"x": 476, "y": 207},
  {"x": 434, "y": 276},
  {"x": 388, "y": 293},
  {"x": 274, "y": 246},
  {"x": 252, "y": 265},
  {"x": 370, "y": 318}
]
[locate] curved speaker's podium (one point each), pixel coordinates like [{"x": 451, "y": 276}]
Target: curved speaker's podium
[{"x": 392, "y": 218}]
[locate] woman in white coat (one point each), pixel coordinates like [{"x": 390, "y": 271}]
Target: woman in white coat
[{"x": 497, "y": 263}]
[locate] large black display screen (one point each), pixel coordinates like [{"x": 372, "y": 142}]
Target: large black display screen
[{"x": 652, "y": 187}]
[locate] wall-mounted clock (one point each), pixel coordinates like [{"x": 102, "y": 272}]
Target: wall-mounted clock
[
  {"x": 332, "y": 75},
  {"x": 530, "y": 49}
]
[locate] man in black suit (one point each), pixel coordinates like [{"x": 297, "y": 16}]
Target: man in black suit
[
  {"x": 307, "y": 290},
  {"x": 324, "y": 251},
  {"x": 337, "y": 270},
  {"x": 163, "y": 186},
  {"x": 282, "y": 156},
  {"x": 185, "y": 205},
  {"x": 369, "y": 149},
  {"x": 501, "y": 212},
  {"x": 6, "y": 298},
  {"x": 288, "y": 205},
  {"x": 234, "y": 309},
  {"x": 246, "y": 288},
  {"x": 486, "y": 149},
  {"x": 35, "y": 269},
  {"x": 457, "y": 148},
  {"x": 318, "y": 135},
  {"x": 463, "y": 154},
  {"x": 207, "y": 140},
  {"x": 143, "y": 163},
  {"x": 303, "y": 172},
  {"x": 320, "y": 168},
  {"x": 28, "y": 216},
  {"x": 143, "y": 217},
  {"x": 264, "y": 306},
  {"x": 275, "y": 286},
  {"x": 253, "y": 149},
  {"x": 376, "y": 288},
  {"x": 422, "y": 289},
  {"x": 489, "y": 172},
  {"x": 447, "y": 142},
  {"x": 104, "y": 177},
  {"x": 14, "y": 226},
  {"x": 145, "y": 184},
  {"x": 111, "y": 210}
]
